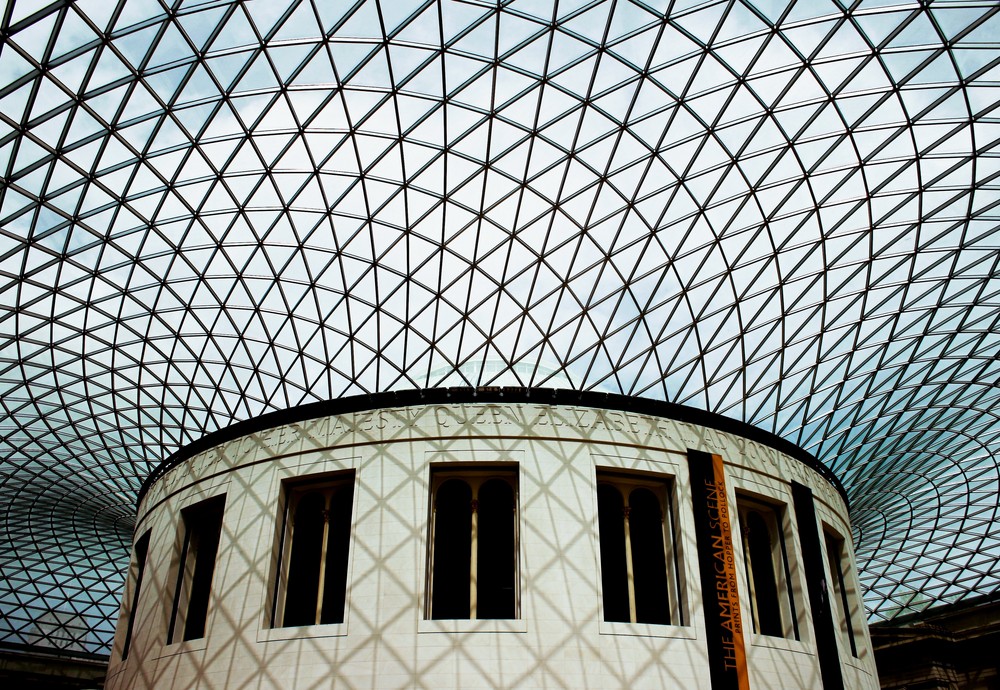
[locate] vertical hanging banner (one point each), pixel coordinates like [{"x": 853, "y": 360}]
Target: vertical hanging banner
[
  {"x": 819, "y": 599},
  {"x": 717, "y": 563}
]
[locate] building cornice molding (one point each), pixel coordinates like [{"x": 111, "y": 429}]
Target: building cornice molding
[{"x": 493, "y": 394}]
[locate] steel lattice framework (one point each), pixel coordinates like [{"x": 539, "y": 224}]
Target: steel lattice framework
[{"x": 785, "y": 212}]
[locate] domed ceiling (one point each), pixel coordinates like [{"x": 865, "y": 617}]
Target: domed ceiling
[{"x": 784, "y": 212}]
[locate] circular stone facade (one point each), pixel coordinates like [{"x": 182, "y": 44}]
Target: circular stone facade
[{"x": 456, "y": 539}]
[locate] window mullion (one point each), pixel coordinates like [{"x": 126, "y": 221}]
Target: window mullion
[
  {"x": 474, "y": 564},
  {"x": 433, "y": 555},
  {"x": 628, "y": 565},
  {"x": 322, "y": 556},
  {"x": 286, "y": 562},
  {"x": 517, "y": 561}
]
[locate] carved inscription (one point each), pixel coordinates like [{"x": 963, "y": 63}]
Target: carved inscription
[
  {"x": 463, "y": 418},
  {"x": 497, "y": 418}
]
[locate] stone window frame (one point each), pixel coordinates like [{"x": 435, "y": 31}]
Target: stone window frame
[
  {"x": 293, "y": 490},
  {"x": 844, "y": 597},
  {"x": 475, "y": 475},
  {"x": 663, "y": 486},
  {"x": 776, "y": 519},
  {"x": 137, "y": 574},
  {"x": 192, "y": 580}
]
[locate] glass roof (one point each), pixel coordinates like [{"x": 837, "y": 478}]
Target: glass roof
[{"x": 787, "y": 212}]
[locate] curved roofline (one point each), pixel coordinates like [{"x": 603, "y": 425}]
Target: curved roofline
[{"x": 542, "y": 396}]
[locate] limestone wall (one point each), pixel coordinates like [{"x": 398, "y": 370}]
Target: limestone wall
[{"x": 559, "y": 639}]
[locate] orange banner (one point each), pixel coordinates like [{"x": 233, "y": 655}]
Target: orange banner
[
  {"x": 726, "y": 591},
  {"x": 713, "y": 526}
]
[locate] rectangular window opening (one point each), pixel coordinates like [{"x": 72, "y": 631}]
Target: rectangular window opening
[
  {"x": 314, "y": 552},
  {"x": 140, "y": 551},
  {"x": 202, "y": 529},
  {"x": 842, "y": 597},
  {"x": 768, "y": 575},
  {"x": 640, "y": 559},
  {"x": 473, "y": 555}
]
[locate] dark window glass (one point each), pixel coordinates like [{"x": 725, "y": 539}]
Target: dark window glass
[
  {"x": 496, "y": 550},
  {"x": 303, "y": 564},
  {"x": 614, "y": 569},
  {"x": 765, "y": 584},
  {"x": 649, "y": 564},
  {"x": 452, "y": 550},
  {"x": 338, "y": 547}
]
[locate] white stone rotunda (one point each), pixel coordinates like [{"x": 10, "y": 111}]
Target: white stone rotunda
[{"x": 505, "y": 537}]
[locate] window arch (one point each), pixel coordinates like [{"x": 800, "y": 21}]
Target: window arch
[{"x": 473, "y": 561}]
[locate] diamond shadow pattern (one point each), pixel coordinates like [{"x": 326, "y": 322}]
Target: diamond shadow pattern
[{"x": 784, "y": 212}]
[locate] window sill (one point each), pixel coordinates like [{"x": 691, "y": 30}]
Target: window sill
[
  {"x": 783, "y": 643},
  {"x": 114, "y": 670},
  {"x": 302, "y": 632},
  {"x": 470, "y": 626},
  {"x": 183, "y": 647},
  {"x": 680, "y": 632},
  {"x": 857, "y": 664}
]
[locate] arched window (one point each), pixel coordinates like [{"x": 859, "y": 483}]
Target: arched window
[
  {"x": 452, "y": 556},
  {"x": 614, "y": 558},
  {"x": 639, "y": 565},
  {"x": 649, "y": 563},
  {"x": 772, "y": 604},
  {"x": 473, "y": 559},
  {"x": 313, "y": 586}
]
